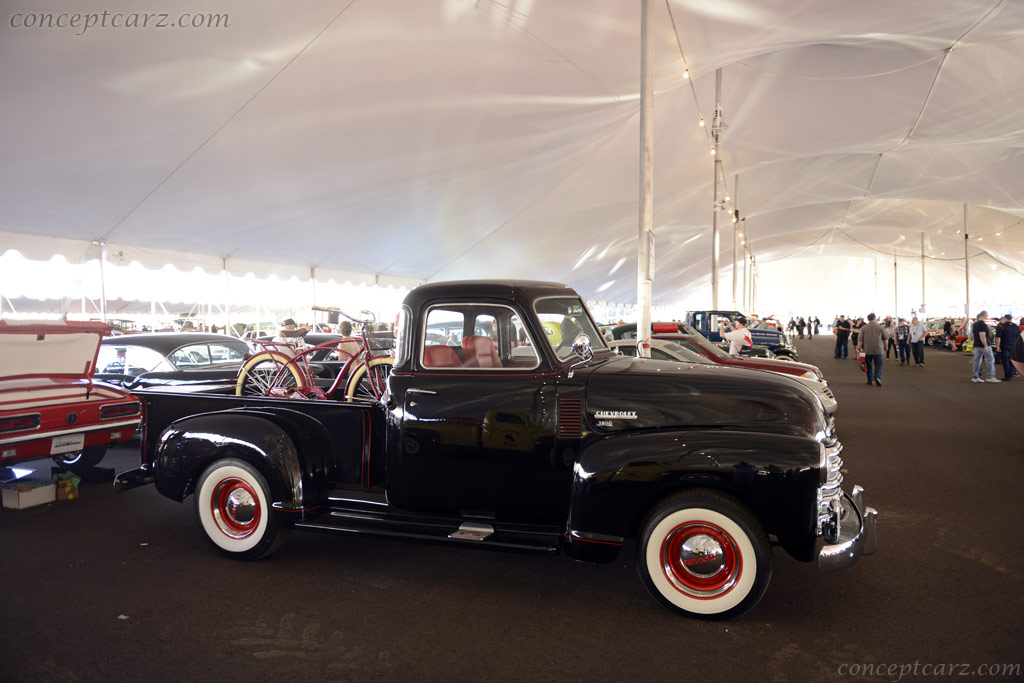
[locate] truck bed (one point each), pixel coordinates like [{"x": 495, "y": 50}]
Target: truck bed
[{"x": 350, "y": 427}]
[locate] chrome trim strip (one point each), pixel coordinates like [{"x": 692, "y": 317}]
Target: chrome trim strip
[{"x": 94, "y": 428}]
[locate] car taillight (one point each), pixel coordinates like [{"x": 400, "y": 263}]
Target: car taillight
[
  {"x": 11, "y": 424},
  {"x": 119, "y": 410}
]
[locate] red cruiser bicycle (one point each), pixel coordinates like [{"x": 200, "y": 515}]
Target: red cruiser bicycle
[{"x": 287, "y": 371}]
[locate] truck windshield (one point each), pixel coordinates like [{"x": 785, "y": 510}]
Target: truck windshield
[{"x": 563, "y": 318}]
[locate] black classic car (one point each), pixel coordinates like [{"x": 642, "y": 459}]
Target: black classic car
[
  {"x": 161, "y": 358},
  {"x": 503, "y": 436}
]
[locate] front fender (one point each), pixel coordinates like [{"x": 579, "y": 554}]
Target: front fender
[
  {"x": 291, "y": 450},
  {"x": 618, "y": 479}
]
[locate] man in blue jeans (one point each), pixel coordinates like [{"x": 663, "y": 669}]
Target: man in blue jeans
[
  {"x": 1006, "y": 338},
  {"x": 872, "y": 342},
  {"x": 983, "y": 350},
  {"x": 842, "y": 332}
]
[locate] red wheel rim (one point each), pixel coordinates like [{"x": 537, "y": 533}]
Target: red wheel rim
[
  {"x": 701, "y": 560},
  {"x": 236, "y": 507}
]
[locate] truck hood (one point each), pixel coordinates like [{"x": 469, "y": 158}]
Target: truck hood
[
  {"x": 639, "y": 393},
  {"x": 56, "y": 350}
]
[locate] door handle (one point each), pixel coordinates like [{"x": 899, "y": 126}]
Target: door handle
[{"x": 421, "y": 391}]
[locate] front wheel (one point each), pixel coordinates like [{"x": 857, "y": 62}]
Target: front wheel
[
  {"x": 266, "y": 371},
  {"x": 233, "y": 509},
  {"x": 369, "y": 380},
  {"x": 705, "y": 555}
]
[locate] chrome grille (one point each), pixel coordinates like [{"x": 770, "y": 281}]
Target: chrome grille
[{"x": 830, "y": 493}]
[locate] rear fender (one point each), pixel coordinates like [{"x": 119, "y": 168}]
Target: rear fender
[
  {"x": 618, "y": 479},
  {"x": 290, "y": 449}
]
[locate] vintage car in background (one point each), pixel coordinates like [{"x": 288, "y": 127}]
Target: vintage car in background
[
  {"x": 50, "y": 405},
  {"x": 663, "y": 349},
  {"x": 162, "y": 358},
  {"x": 511, "y": 440},
  {"x": 688, "y": 336}
]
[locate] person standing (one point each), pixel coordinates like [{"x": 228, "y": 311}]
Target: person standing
[
  {"x": 738, "y": 337},
  {"x": 855, "y": 331},
  {"x": 903, "y": 341},
  {"x": 917, "y": 332},
  {"x": 872, "y": 342},
  {"x": 810, "y": 327},
  {"x": 983, "y": 350},
  {"x": 891, "y": 343},
  {"x": 842, "y": 332},
  {"x": 947, "y": 334},
  {"x": 817, "y": 325},
  {"x": 800, "y": 325},
  {"x": 1006, "y": 338}
]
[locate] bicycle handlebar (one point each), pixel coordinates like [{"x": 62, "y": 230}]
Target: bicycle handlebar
[{"x": 370, "y": 317}]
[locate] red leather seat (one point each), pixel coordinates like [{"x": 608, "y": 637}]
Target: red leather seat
[
  {"x": 440, "y": 357},
  {"x": 480, "y": 352}
]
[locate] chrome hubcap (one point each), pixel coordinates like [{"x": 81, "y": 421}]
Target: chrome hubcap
[
  {"x": 702, "y": 556},
  {"x": 235, "y": 508},
  {"x": 701, "y": 560}
]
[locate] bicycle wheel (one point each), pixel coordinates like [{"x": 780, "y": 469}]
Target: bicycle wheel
[
  {"x": 369, "y": 380},
  {"x": 263, "y": 372}
]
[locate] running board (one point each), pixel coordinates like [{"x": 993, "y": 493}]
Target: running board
[{"x": 519, "y": 537}]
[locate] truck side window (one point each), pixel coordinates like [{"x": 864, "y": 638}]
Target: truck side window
[{"x": 476, "y": 336}]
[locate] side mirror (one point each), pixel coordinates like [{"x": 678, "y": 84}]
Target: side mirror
[{"x": 581, "y": 347}]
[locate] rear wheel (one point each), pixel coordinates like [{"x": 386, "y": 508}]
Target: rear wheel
[
  {"x": 265, "y": 371},
  {"x": 83, "y": 460},
  {"x": 233, "y": 509},
  {"x": 705, "y": 555},
  {"x": 369, "y": 380}
]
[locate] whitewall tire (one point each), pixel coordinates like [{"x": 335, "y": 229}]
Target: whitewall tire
[
  {"x": 233, "y": 509},
  {"x": 704, "y": 554}
]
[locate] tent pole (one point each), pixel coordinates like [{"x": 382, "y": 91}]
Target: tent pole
[
  {"x": 645, "y": 257},
  {"x": 895, "y": 286},
  {"x": 746, "y": 308},
  {"x": 103, "y": 283},
  {"x": 922, "y": 276},
  {"x": 227, "y": 299},
  {"x": 967, "y": 274},
  {"x": 735, "y": 233},
  {"x": 716, "y": 136}
]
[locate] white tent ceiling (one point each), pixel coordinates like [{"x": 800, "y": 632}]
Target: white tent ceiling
[{"x": 411, "y": 140}]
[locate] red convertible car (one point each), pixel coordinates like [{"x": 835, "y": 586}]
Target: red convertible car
[{"x": 49, "y": 404}]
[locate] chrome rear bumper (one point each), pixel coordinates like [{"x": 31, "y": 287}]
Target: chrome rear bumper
[{"x": 858, "y": 533}]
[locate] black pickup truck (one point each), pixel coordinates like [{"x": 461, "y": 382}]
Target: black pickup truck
[{"x": 501, "y": 434}]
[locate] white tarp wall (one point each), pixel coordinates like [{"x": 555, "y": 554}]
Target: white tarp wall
[{"x": 453, "y": 139}]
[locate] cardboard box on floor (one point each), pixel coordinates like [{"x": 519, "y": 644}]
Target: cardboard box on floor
[
  {"x": 25, "y": 495},
  {"x": 66, "y": 490}
]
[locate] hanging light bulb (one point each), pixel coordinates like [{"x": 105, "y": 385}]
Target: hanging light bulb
[
  {"x": 712, "y": 151},
  {"x": 726, "y": 197},
  {"x": 958, "y": 232},
  {"x": 686, "y": 73},
  {"x": 702, "y": 122}
]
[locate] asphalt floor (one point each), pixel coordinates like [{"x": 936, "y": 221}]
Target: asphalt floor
[{"x": 124, "y": 588}]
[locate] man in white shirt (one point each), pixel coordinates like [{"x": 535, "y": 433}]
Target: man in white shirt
[
  {"x": 738, "y": 336},
  {"x": 917, "y": 332}
]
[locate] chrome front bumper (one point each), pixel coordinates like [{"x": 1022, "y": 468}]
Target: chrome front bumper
[{"x": 858, "y": 533}]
